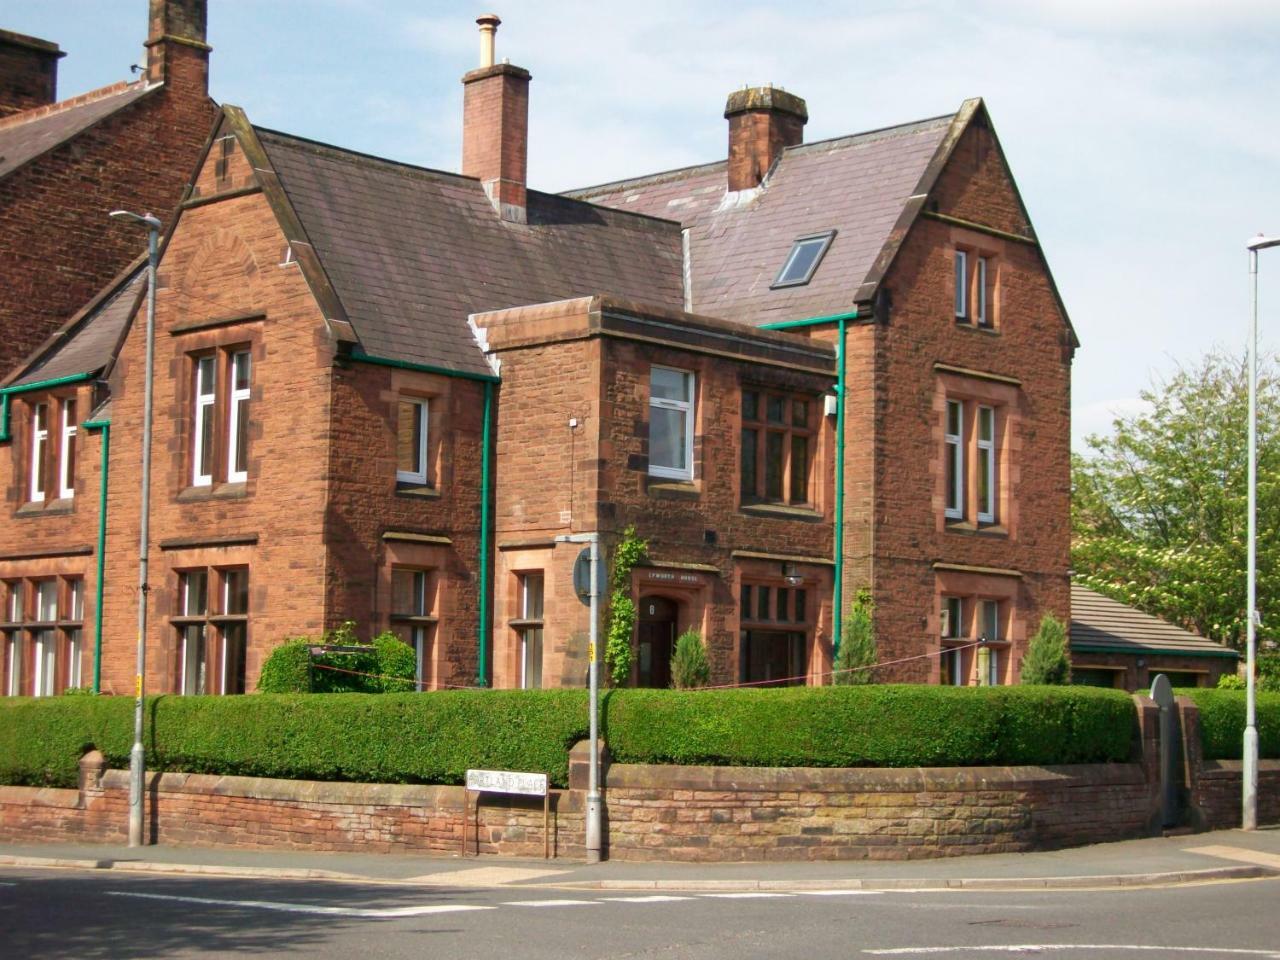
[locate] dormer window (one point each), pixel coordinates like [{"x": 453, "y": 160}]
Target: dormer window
[{"x": 803, "y": 260}]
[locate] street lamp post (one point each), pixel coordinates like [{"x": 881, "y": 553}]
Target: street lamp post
[
  {"x": 137, "y": 756},
  {"x": 1249, "y": 814}
]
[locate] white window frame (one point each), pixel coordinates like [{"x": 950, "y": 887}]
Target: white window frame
[
  {"x": 39, "y": 443},
  {"x": 422, "y": 415},
  {"x": 987, "y": 462},
  {"x": 75, "y": 640},
  {"x": 980, "y": 291},
  {"x": 962, "y": 285},
  {"x": 954, "y": 451},
  {"x": 526, "y": 580},
  {"x": 13, "y": 664},
  {"x": 44, "y": 646},
  {"x": 205, "y": 398},
  {"x": 686, "y": 408},
  {"x": 66, "y": 481},
  {"x": 239, "y": 397}
]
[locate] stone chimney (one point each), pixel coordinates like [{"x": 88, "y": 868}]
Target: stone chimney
[
  {"x": 762, "y": 121},
  {"x": 177, "y": 52},
  {"x": 495, "y": 127},
  {"x": 28, "y": 72}
]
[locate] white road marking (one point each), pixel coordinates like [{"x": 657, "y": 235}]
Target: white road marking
[
  {"x": 548, "y": 903},
  {"x": 655, "y": 898},
  {"x": 483, "y": 876},
  {"x": 376, "y": 913},
  {"x": 1240, "y": 854},
  {"x": 839, "y": 893},
  {"x": 747, "y": 895},
  {"x": 1048, "y": 947}
]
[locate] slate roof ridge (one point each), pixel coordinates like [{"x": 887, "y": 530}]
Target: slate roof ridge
[
  {"x": 349, "y": 155},
  {"x": 677, "y": 173},
  {"x": 1093, "y": 612},
  {"x": 71, "y": 103}
]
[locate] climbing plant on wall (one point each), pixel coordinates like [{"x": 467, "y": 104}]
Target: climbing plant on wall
[{"x": 622, "y": 608}]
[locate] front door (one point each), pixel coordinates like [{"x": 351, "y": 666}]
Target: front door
[{"x": 657, "y": 639}]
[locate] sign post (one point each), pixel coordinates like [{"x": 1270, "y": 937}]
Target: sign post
[
  {"x": 593, "y": 827},
  {"x": 506, "y": 781}
]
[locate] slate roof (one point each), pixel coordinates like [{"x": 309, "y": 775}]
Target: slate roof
[
  {"x": 27, "y": 135},
  {"x": 87, "y": 343},
  {"x": 857, "y": 185},
  {"x": 1101, "y": 624},
  {"x": 411, "y": 253}
]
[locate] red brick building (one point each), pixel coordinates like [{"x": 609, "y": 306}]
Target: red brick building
[
  {"x": 65, "y": 165},
  {"x": 385, "y": 393}
]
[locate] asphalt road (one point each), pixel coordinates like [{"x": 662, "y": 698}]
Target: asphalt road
[{"x": 57, "y": 913}]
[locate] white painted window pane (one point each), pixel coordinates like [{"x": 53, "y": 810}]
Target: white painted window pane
[
  {"x": 668, "y": 440},
  {"x": 986, "y": 465},
  {"x": 668, "y": 384},
  {"x": 203, "y": 432},
  {"x": 955, "y": 460},
  {"x": 13, "y": 665},
  {"x": 46, "y": 664},
  {"x": 67, "y": 452},
  {"x": 531, "y": 658},
  {"x": 75, "y": 596},
  {"x": 73, "y": 658},
  {"x": 194, "y": 680},
  {"x": 47, "y": 600},
  {"x": 962, "y": 284},
  {"x": 238, "y": 423},
  {"x": 980, "y": 290},
  {"x": 411, "y": 440},
  {"x": 195, "y": 593},
  {"x": 39, "y": 451}
]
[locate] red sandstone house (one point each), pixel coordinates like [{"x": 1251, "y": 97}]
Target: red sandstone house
[{"x": 386, "y": 393}]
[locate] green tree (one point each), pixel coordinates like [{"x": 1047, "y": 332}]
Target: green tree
[
  {"x": 1048, "y": 660},
  {"x": 689, "y": 666},
  {"x": 857, "y": 653},
  {"x": 1159, "y": 507}
]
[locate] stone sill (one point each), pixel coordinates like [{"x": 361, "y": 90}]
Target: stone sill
[
  {"x": 996, "y": 531},
  {"x": 661, "y": 489},
  {"x": 417, "y": 490},
  {"x": 48, "y": 508},
  {"x": 781, "y": 511},
  {"x": 222, "y": 491}
]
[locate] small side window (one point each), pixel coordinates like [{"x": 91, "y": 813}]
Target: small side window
[{"x": 411, "y": 441}]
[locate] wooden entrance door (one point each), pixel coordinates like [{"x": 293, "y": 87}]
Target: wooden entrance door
[{"x": 656, "y": 642}]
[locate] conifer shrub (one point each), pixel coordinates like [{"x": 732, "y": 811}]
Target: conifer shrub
[
  {"x": 1048, "y": 660},
  {"x": 857, "y": 654},
  {"x": 689, "y": 666}
]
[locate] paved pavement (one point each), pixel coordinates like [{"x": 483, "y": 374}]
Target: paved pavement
[{"x": 1196, "y": 858}]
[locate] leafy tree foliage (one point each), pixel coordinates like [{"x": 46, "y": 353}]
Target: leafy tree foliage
[
  {"x": 857, "y": 653},
  {"x": 1047, "y": 660},
  {"x": 689, "y": 666},
  {"x": 622, "y": 609},
  {"x": 1159, "y": 508}
]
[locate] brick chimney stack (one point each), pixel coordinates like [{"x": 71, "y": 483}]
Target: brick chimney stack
[
  {"x": 28, "y": 72},
  {"x": 762, "y": 121},
  {"x": 177, "y": 51},
  {"x": 495, "y": 127}
]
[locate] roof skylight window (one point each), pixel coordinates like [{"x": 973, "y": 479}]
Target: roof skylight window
[{"x": 803, "y": 260}]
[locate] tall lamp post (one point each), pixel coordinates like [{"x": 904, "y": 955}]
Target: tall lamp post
[
  {"x": 137, "y": 756},
  {"x": 1249, "y": 818}
]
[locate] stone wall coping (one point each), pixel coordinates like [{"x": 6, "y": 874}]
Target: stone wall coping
[
  {"x": 41, "y": 797},
  {"x": 1227, "y": 769},
  {"x": 819, "y": 779}
]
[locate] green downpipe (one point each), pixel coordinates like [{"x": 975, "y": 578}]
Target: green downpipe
[
  {"x": 837, "y": 591},
  {"x": 482, "y": 679},
  {"x": 7, "y": 392},
  {"x": 105, "y": 426}
]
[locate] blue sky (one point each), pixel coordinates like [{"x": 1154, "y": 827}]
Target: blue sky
[{"x": 1144, "y": 134}]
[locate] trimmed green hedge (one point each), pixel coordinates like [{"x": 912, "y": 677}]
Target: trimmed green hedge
[
  {"x": 387, "y": 738},
  {"x": 435, "y": 737},
  {"x": 1222, "y": 722},
  {"x": 870, "y": 726}
]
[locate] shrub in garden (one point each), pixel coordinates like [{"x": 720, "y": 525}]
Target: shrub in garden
[
  {"x": 1047, "y": 660},
  {"x": 388, "y": 665},
  {"x": 857, "y": 653},
  {"x": 689, "y": 666}
]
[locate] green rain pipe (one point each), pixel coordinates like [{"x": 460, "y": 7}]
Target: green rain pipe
[
  {"x": 837, "y": 593},
  {"x": 485, "y": 480},
  {"x": 105, "y": 426},
  {"x": 7, "y": 392}
]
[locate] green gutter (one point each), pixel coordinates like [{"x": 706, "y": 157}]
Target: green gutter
[
  {"x": 7, "y": 392},
  {"x": 837, "y": 592},
  {"x": 1153, "y": 651},
  {"x": 359, "y": 357},
  {"x": 105, "y": 427},
  {"x": 485, "y": 480}
]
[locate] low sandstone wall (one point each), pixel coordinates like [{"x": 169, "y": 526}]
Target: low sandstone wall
[
  {"x": 727, "y": 813},
  {"x": 248, "y": 812}
]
